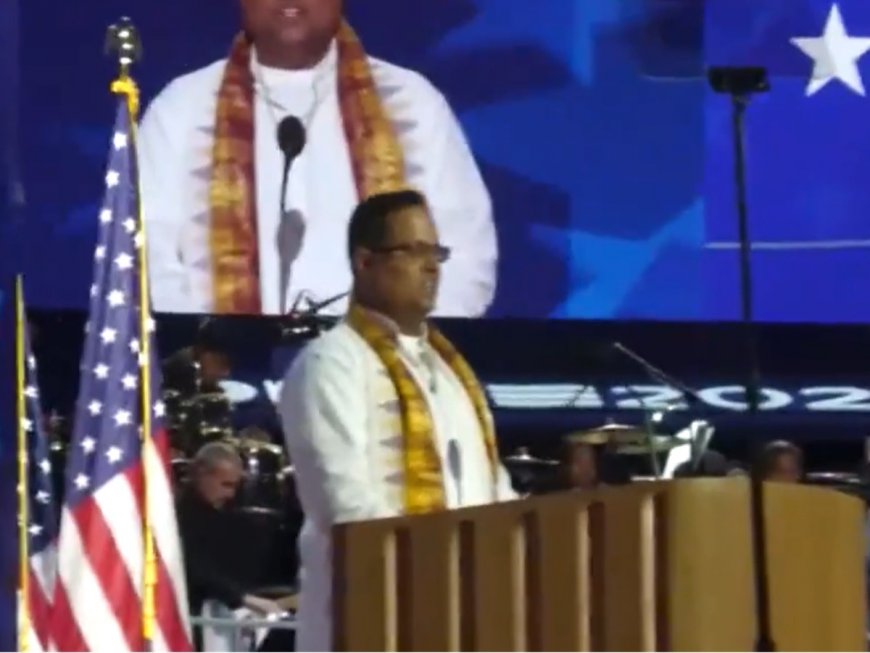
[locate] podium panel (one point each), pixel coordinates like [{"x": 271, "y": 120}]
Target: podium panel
[{"x": 651, "y": 566}]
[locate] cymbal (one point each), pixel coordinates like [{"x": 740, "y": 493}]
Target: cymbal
[
  {"x": 654, "y": 444},
  {"x": 523, "y": 457},
  {"x": 609, "y": 433},
  {"x": 625, "y": 439},
  {"x": 209, "y": 397},
  {"x": 249, "y": 444},
  {"x": 834, "y": 478}
]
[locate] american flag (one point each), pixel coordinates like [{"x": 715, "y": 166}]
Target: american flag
[
  {"x": 41, "y": 518},
  {"x": 98, "y": 603}
]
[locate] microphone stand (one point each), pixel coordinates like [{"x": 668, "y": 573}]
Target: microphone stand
[
  {"x": 764, "y": 641},
  {"x": 739, "y": 102},
  {"x": 740, "y": 84},
  {"x": 656, "y": 374}
]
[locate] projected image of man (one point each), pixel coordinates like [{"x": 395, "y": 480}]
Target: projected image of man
[{"x": 212, "y": 167}]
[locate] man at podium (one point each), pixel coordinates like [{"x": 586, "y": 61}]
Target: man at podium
[{"x": 382, "y": 415}]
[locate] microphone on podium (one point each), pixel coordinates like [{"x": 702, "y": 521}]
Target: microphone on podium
[
  {"x": 454, "y": 463},
  {"x": 291, "y": 141}
]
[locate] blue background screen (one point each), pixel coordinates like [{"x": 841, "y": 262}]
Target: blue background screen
[{"x": 608, "y": 158}]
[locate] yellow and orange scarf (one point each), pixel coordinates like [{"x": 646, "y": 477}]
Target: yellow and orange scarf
[
  {"x": 376, "y": 159},
  {"x": 424, "y": 477}
]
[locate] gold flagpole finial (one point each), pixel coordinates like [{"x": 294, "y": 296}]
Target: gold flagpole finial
[{"x": 123, "y": 42}]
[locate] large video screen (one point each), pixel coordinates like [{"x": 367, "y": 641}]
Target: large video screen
[{"x": 575, "y": 160}]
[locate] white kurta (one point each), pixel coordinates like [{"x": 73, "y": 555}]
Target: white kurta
[
  {"x": 341, "y": 422},
  {"x": 304, "y": 252}
]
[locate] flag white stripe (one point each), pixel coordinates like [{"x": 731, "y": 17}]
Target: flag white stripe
[
  {"x": 96, "y": 620},
  {"x": 44, "y": 567},
  {"x": 33, "y": 643},
  {"x": 159, "y": 642},
  {"x": 121, "y": 513}
]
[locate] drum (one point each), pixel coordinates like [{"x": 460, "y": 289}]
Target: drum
[
  {"x": 262, "y": 486},
  {"x": 212, "y": 410},
  {"x": 180, "y": 472}
]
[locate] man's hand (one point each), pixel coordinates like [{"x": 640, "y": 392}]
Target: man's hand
[{"x": 259, "y": 604}]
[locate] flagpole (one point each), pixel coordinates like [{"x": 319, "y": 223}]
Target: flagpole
[
  {"x": 123, "y": 40},
  {"x": 23, "y": 621}
]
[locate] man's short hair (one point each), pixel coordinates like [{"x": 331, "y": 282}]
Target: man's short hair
[
  {"x": 369, "y": 222},
  {"x": 211, "y": 336},
  {"x": 212, "y": 454},
  {"x": 771, "y": 453}
]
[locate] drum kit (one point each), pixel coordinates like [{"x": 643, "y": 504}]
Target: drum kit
[
  {"x": 635, "y": 447},
  {"x": 207, "y": 418}
]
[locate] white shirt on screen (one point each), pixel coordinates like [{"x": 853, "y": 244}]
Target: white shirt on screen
[
  {"x": 175, "y": 149},
  {"x": 340, "y": 419}
]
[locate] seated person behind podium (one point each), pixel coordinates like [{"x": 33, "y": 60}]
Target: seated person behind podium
[
  {"x": 780, "y": 461},
  {"x": 212, "y": 548},
  {"x": 381, "y": 414},
  {"x": 211, "y": 168}
]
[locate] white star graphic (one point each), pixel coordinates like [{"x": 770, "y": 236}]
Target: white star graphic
[
  {"x": 100, "y": 252},
  {"x": 26, "y": 424},
  {"x": 45, "y": 466},
  {"x": 150, "y": 325},
  {"x": 129, "y": 382},
  {"x": 112, "y": 178},
  {"x": 95, "y": 407},
  {"x": 129, "y": 225},
  {"x": 108, "y": 335},
  {"x": 113, "y": 454},
  {"x": 31, "y": 362},
  {"x": 134, "y": 346},
  {"x": 31, "y": 392},
  {"x": 122, "y": 417},
  {"x": 106, "y": 216},
  {"x": 88, "y": 444},
  {"x": 35, "y": 530},
  {"x": 835, "y": 55},
  {"x": 119, "y": 140},
  {"x": 116, "y": 298},
  {"x": 124, "y": 261},
  {"x": 42, "y": 496},
  {"x": 94, "y": 290},
  {"x": 138, "y": 239},
  {"x": 159, "y": 409},
  {"x": 81, "y": 482},
  {"x": 101, "y": 371}
]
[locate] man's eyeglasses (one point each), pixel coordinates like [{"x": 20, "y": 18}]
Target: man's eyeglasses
[{"x": 417, "y": 250}]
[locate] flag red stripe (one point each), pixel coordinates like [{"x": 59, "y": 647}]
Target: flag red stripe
[
  {"x": 168, "y": 613},
  {"x": 39, "y": 612},
  {"x": 110, "y": 570},
  {"x": 64, "y": 629}
]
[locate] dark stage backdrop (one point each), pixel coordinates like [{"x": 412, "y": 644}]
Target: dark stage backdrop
[
  {"x": 608, "y": 159},
  {"x": 8, "y": 173}
]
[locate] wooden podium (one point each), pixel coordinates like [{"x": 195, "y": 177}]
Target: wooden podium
[{"x": 652, "y": 566}]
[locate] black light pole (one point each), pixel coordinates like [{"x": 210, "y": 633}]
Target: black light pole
[{"x": 741, "y": 84}]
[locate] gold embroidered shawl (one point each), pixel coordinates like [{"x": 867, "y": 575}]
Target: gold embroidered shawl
[
  {"x": 376, "y": 159},
  {"x": 424, "y": 479}
]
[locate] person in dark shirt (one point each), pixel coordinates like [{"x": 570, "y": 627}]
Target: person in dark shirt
[
  {"x": 712, "y": 464},
  {"x": 212, "y": 540},
  {"x": 780, "y": 461},
  {"x": 194, "y": 398}
]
